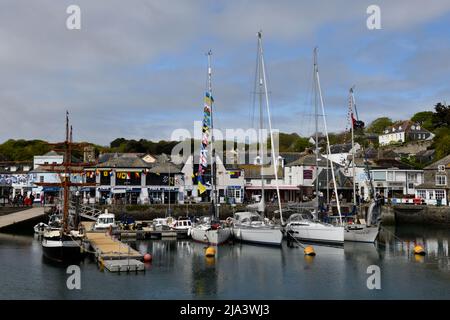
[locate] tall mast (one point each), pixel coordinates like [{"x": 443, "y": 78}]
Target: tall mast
[
  {"x": 261, "y": 123},
  {"x": 316, "y": 120},
  {"x": 351, "y": 103},
  {"x": 326, "y": 134},
  {"x": 66, "y": 174},
  {"x": 213, "y": 150},
  {"x": 274, "y": 159}
]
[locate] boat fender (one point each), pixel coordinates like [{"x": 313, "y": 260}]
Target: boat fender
[{"x": 189, "y": 232}]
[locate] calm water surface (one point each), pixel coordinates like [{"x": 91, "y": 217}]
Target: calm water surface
[{"x": 180, "y": 271}]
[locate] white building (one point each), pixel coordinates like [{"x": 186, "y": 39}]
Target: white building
[
  {"x": 396, "y": 183},
  {"x": 229, "y": 184},
  {"x": 51, "y": 157},
  {"x": 403, "y": 132},
  {"x": 14, "y": 179}
]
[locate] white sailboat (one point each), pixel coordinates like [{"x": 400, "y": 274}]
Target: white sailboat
[
  {"x": 307, "y": 228},
  {"x": 252, "y": 226},
  {"x": 366, "y": 231},
  {"x": 209, "y": 230}
]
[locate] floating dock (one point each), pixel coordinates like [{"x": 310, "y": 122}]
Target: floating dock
[
  {"x": 123, "y": 265},
  {"x": 113, "y": 254}
]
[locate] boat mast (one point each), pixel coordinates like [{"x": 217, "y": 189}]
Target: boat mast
[
  {"x": 66, "y": 175},
  {"x": 213, "y": 150},
  {"x": 326, "y": 134},
  {"x": 316, "y": 120},
  {"x": 262, "y": 202},
  {"x": 351, "y": 101},
  {"x": 274, "y": 159}
]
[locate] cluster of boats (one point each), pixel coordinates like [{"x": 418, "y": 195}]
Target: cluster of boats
[{"x": 62, "y": 236}]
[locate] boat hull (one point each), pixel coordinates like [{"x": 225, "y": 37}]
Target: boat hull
[
  {"x": 317, "y": 233},
  {"x": 361, "y": 233},
  {"x": 213, "y": 237},
  {"x": 62, "y": 250},
  {"x": 258, "y": 235}
]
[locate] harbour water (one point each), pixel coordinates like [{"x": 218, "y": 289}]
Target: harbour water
[{"x": 180, "y": 270}]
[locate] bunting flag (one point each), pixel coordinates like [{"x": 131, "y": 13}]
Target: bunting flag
[{"x": 203, "y": 159}]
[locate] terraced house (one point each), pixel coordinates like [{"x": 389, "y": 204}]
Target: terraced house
[{"x": 435, "y": 188}]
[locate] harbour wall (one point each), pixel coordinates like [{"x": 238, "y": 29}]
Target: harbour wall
[{"x": 416, "y": 214}]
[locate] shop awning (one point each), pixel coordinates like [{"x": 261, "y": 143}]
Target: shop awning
[
  {"x": 50, "y": 189},
  {"x": 87, "y": 189}
]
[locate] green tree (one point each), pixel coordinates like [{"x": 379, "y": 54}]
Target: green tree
[
  {"x": 378, "y": 125},
  {"x": 441, "y": 142},
  {"x": 425, "y": 118},
  {"x": 441, "y": 117}
]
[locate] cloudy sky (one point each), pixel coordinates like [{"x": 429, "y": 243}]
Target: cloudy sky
[{"x": 137, "y": 69}]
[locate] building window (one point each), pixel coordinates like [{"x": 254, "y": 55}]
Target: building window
[
  {"x": 379, "y": 175},
  {"x": 441, "y": 180},
  {"x": 390, "y": 176},
  {"x": 41, "y": 179},
  {"x": 422, "y": 194},
  {"x": 440, "y": 194},
  {"x": 431, "y": 195},
  {"x": 412, "y": 177}
]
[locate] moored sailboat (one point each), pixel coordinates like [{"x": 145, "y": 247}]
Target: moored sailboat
[
  {"x": 364, "y": 231},
  {"x": 309, "y": 228},
  {"x": 209, "y": 229},
  {"x": 251, "y": 226}
]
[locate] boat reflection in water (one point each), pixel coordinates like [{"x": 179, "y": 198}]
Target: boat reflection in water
[{"x": 435, "y": 242}]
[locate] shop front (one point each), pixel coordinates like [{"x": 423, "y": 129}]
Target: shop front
[
  {"x": 50, "y": 195},
  {"x": 163, "y": 195},
  {"x": 125, "y": 195}
]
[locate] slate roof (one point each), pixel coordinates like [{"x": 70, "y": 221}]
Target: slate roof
[
  {"x": 124, "y": 162},
  {"x": 444, "y": 161},
  {"x": 308, "y": 160},
  {"x": 342, "y": 181}
]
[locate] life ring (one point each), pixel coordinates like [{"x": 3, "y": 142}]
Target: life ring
[{"x": 229, "y": 220}]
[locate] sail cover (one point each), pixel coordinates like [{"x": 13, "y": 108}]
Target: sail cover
[{"x": 203, "y": 160}]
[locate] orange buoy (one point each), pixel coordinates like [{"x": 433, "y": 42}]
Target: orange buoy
[
  {"x": 309, "y": 251},
  {"x": 147, "y": 257},
  {"x": 419, "y": 250},
  {"x": 210, "y": 252}
]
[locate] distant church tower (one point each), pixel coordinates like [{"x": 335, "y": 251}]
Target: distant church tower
[{"x": 89, "y": 154}]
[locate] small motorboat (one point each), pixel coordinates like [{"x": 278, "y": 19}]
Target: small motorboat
[
  {"x": 163, "y": 223},
  {"x": 40, "y": 228},
  {"x": 183, "y": 223},
  {"x": 105, "y": 221}
]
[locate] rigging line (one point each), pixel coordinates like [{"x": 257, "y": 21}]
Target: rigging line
[
  {"x": 328, "y": 139},
  {"x": 275, "y": 160}
]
